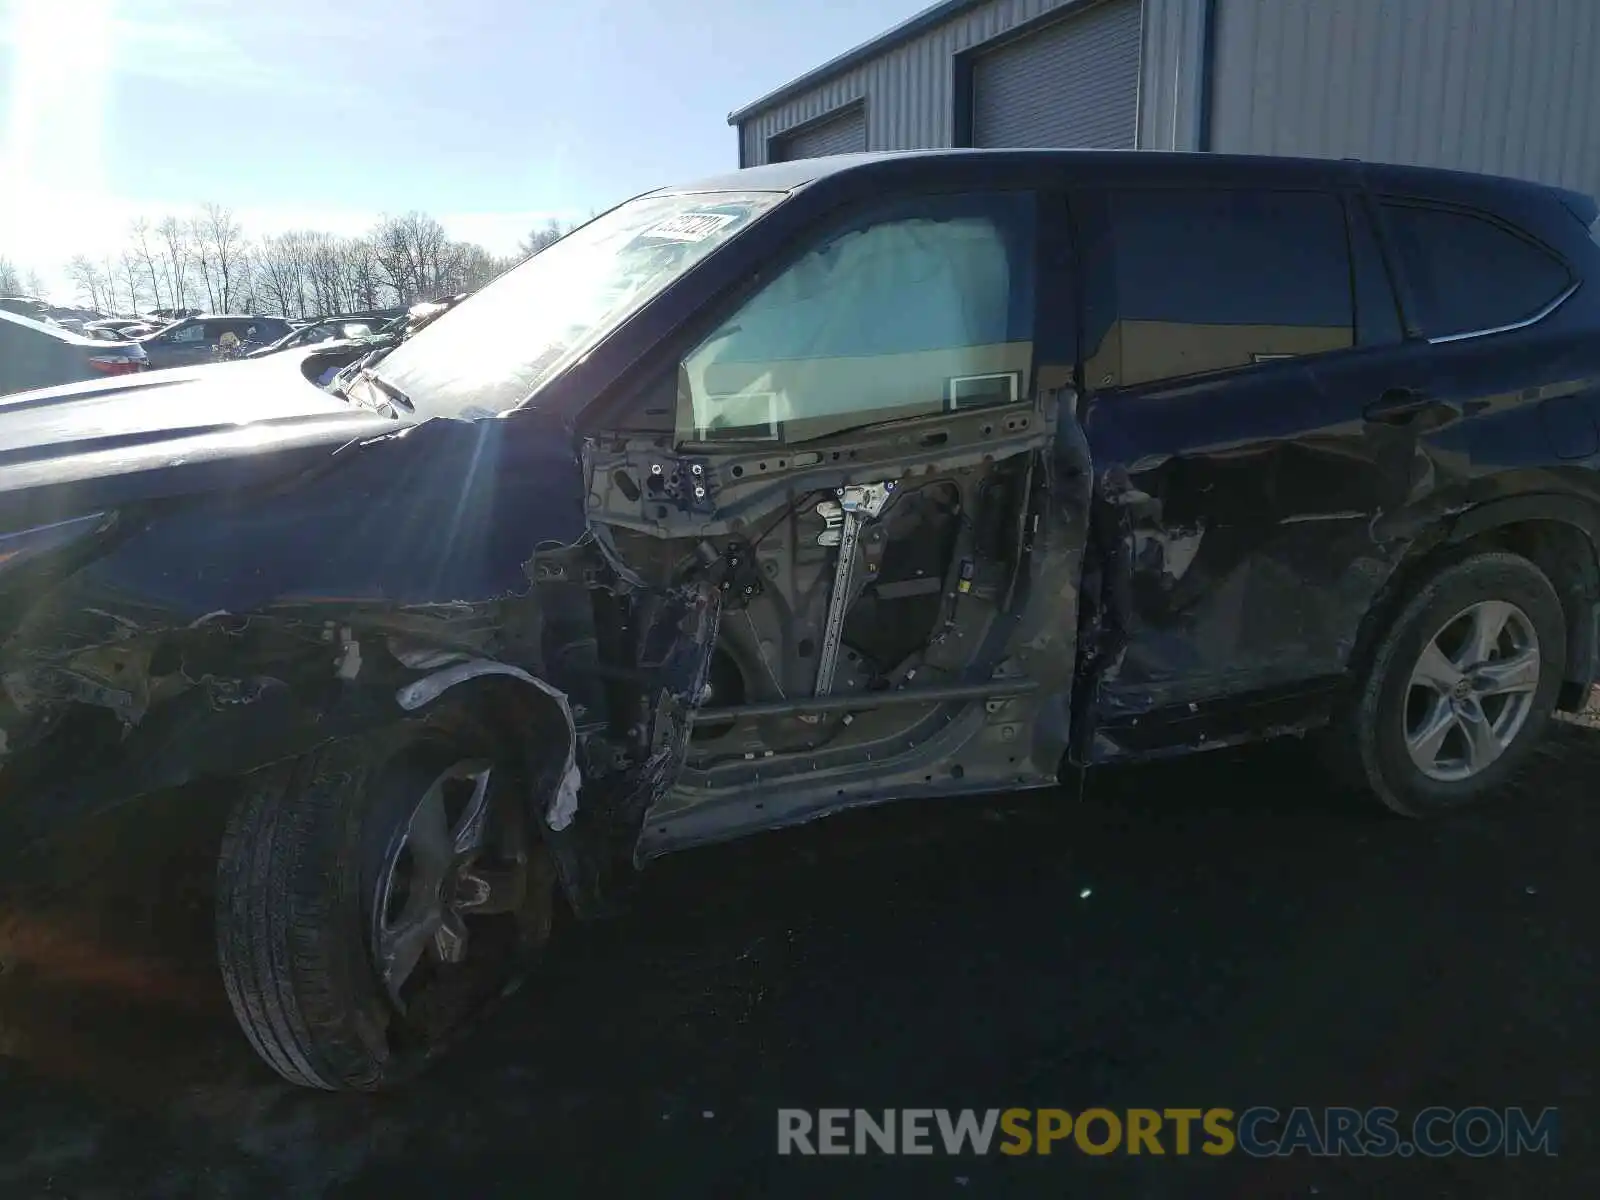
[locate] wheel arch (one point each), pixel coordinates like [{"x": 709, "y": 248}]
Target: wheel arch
[
  {"x": 520, "y": 708},
  {"x": 1557, "y": 532}
]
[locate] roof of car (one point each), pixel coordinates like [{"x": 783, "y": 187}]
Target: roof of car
[
  {"x": 790, "y": 176},
  {"x": 60, "y": 333}
]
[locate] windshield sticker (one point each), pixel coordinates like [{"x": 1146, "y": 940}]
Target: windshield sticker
[{"x": 689, "y": 227}]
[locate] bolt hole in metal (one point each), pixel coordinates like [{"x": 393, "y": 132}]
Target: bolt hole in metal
[
  {"x": 1471, "y": 691},
  {"x": 438, "y": 873}
]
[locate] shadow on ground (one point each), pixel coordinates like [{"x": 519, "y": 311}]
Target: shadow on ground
[{"x": 1228, "y": 931}]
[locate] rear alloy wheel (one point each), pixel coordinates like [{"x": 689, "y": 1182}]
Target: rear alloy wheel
[
  {"x": 372, "y": 901},
  {"x": 1471, "y": 691},
  {"x": 1460, "y": 688}
]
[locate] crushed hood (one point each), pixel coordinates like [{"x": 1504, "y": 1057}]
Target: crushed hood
[{"x": 167, "y": 433}]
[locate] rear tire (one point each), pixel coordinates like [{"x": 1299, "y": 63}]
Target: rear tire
[
  {"x": 312, "y": 852},
  {"x": 1458, "y": 690}
]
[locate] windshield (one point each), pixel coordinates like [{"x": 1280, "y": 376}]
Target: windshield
[{"x": 497, "y": 346}]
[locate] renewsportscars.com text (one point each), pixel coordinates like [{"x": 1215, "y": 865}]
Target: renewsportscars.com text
[{"x": 1258, "y": 1132}]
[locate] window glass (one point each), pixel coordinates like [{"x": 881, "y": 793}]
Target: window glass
[
  {"x": 922, "y": 309},
  {"x": 1209, "y": 280},
  {"x": 563, "y": 301},
  {"x": 1468, "y": 273},
  {"x": 189, "y": 333}
]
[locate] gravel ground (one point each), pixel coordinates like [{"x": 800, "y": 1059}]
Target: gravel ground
[{"x": 1226, "y": 931}]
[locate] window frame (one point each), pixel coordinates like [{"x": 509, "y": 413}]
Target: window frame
[
  {"x": 1380, "y": 204},
  {"x": 1342, "y": 197},
  {"x": 663, "y": 377}
]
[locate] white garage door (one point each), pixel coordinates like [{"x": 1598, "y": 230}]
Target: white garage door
[
  {"x": 1073, "y": 83},
  {"x": 844, "y": 134}
]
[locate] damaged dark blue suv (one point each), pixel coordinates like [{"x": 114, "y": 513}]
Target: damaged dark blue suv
[{"x": 817, "y": 485}]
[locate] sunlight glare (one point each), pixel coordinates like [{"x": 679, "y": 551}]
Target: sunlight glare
[{"x": 52, "y": 163}]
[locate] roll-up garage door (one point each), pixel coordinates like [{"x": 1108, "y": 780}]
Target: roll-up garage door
[
  {"x": 1074, "y": 82},
  {"x": 843, "y": 134}
]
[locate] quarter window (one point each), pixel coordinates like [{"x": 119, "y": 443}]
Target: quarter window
[
  {"x": 922, "y": 309},
  {"x": 1469, "y": 274},
  {"x": 1213, "y": 280}
]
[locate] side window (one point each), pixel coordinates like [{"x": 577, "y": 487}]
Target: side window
[
  {"x": 1211, "y": 280},
  {"x": 923, "y": 308},
  {"x": 1469, "y": 274},
  {"x": 188, "y": 335}
]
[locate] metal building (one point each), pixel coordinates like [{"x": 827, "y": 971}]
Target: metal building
[{"x": 1505, "y": 86}]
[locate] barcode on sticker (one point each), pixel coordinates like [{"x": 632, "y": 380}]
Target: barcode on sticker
[{"x": 688, "y": 227}]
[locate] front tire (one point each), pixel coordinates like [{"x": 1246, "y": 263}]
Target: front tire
[
  {"x": 373, "y": 898},
  {"x": 1460, "y": 688}
]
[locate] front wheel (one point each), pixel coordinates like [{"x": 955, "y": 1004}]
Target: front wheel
[
  {"x": 372, "y": 899},
  {"x": 1459, "y": 689}
]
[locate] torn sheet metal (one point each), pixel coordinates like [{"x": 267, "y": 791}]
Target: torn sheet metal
[{"x": 421, "y": 692}]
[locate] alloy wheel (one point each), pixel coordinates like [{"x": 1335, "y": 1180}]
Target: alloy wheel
[
  {"x": 1471, "y": 691},
  {"x": 439, "y": 873}
]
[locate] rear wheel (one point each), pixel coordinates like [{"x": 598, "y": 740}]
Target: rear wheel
[
  {"x": 373, "y": 898},
  {"x": 1459, "y": 689}
]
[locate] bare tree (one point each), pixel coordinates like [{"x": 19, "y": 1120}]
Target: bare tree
[
  {"x": 36, "y": 286},
  {"x": 128, "y": 267},
  {"x": 413, "y": 253},
  {"x": 85, "y": 277},
  {"x": 223, "y": 247},
  {"x": 108, "y": 279},
  {"x": 174, "y": 259},
  {"x": 10, "y": 280},
  {"x": 139, "y": 236},
  {"x": 362, "y": 275},
  {"x": 280, "y": 279},
  {"x": 199, "y": 252},
  {"x": 208, "y": 259},
  {"x": 325, "y": 268},
  {"x": 547, "y": 235}
]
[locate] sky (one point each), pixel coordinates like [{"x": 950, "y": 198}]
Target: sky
[{"x": 492, "y": 115}]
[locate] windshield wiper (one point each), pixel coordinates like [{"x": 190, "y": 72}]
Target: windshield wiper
[{"x": 393, "y": 394}]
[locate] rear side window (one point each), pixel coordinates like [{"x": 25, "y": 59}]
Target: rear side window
[
  {"x": 1470, "y": 274},
  {"x": 1213, "y": 280}
]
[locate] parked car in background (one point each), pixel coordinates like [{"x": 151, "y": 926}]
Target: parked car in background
[
  {"x": 113, "y": 329},
  {"x": 341, "y": 359},
  {"x": 174, "y": 314},
  {"x": 330, "y": 333},
  {"x": 194, "y": 340},
  {"x": 36, "y": 355},
  {"x": 28, "y": 306}
]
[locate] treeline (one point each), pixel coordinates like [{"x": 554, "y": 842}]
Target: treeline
[{"x": 209, "y": 261}]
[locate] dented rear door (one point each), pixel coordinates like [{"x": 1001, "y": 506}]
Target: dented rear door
[{"x": 1237, "y": 483}]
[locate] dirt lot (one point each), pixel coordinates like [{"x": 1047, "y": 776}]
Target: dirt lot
[{"x": 1248, "y": 937}]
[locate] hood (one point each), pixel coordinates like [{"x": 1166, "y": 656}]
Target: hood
[{"x": 167, "y": 433}]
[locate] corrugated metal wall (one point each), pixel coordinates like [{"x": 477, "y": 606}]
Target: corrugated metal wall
[
  {"x": 908, "y": 87},
  {"x": 1169, "y": 74},
  {"x": 1505, "y": 86}
]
